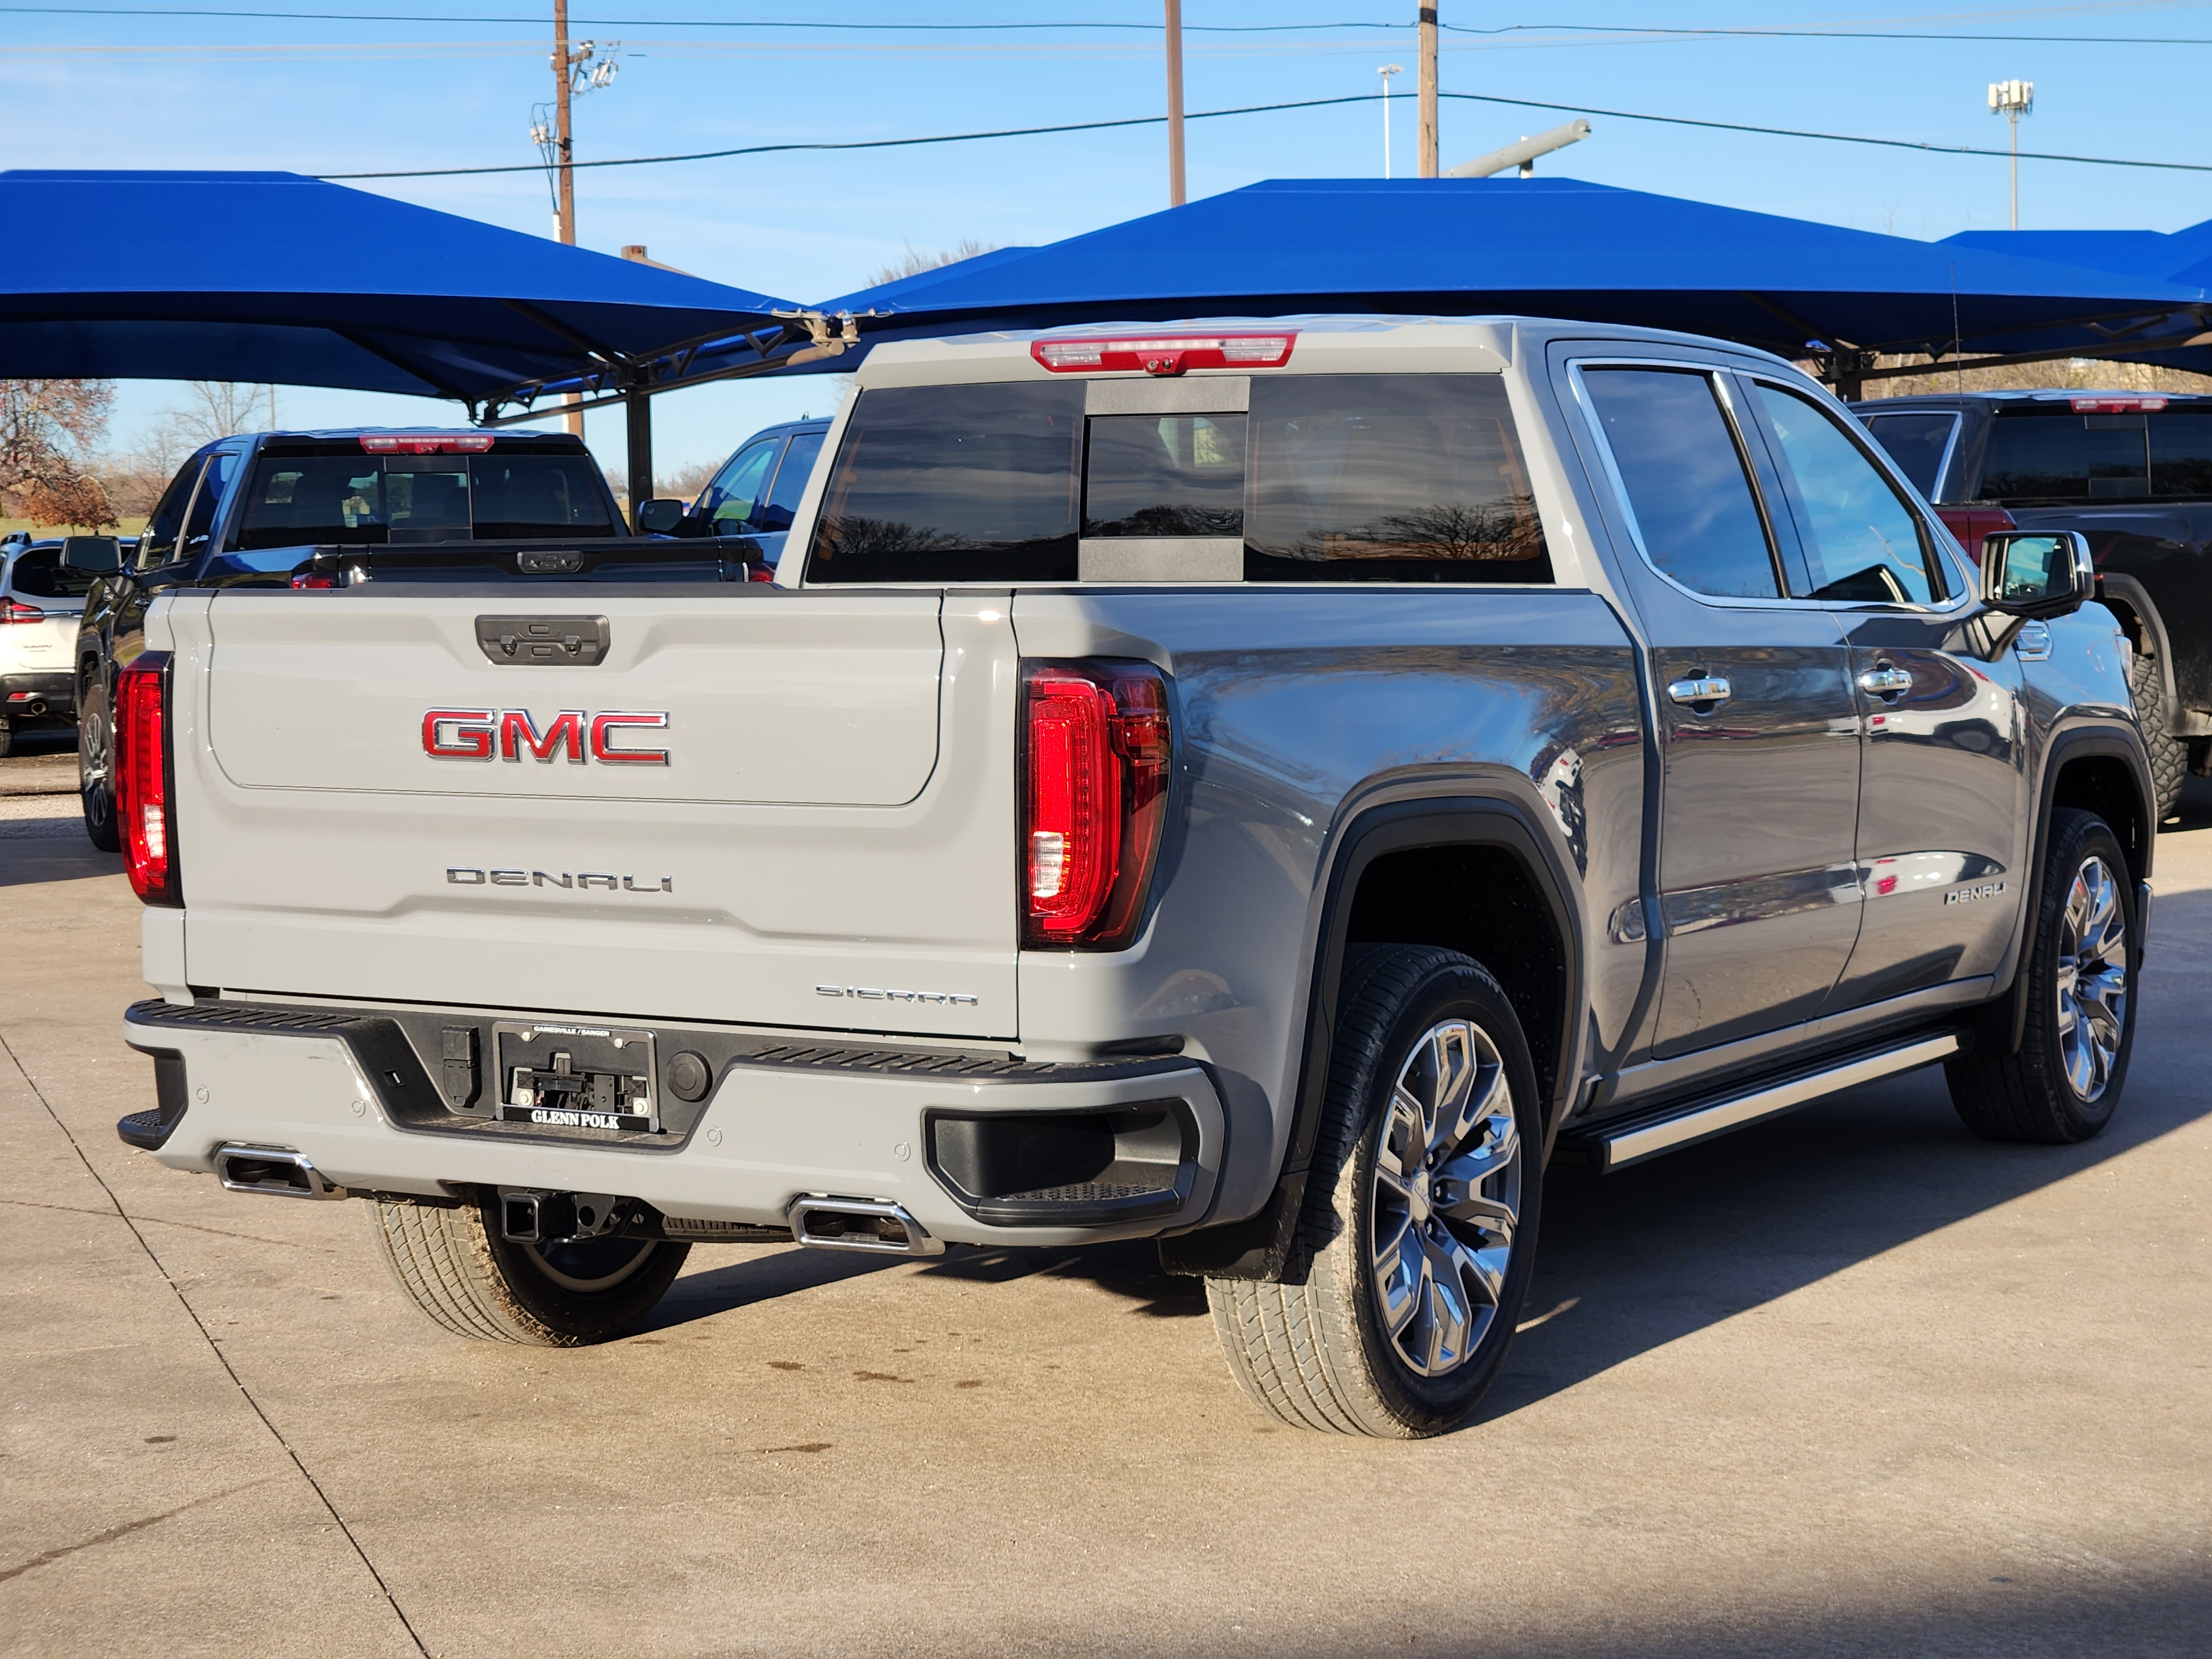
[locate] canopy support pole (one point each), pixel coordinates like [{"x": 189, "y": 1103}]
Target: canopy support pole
[{"x": 637, "y": 403}]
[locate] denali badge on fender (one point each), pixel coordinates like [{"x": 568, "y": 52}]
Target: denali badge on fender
[{"x": 479, "y": 734}]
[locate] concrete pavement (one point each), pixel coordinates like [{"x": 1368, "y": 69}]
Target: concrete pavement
[{"x": 1849, "y": 1383}]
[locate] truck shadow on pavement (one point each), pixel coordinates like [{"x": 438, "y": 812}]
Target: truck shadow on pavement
[{"x": 1630, "y": 1263}]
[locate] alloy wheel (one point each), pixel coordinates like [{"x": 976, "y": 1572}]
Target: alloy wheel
[
  {"x": 1446, "y": 1198},
  {"x": 2093, "y": 978}
]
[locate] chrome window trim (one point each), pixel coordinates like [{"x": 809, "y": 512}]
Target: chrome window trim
[
  {"x": 1713, "y": 373},
  {"x": 1902, "y": 487}
]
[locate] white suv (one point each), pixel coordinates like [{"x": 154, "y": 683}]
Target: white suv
[{"x": 40, "y": 600}]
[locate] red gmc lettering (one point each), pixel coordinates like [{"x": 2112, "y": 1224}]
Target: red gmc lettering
[
  {"x": 458, "y": 734},
  {"x": 604, "y": 726},
  {"x": 517, "y": 732}
]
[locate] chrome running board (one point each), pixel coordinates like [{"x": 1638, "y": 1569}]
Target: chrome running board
[{"x": 1631, "y": 1139}]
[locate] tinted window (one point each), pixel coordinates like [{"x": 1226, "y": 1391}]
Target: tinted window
[
  {"x": 954, "y": 483},
  {"x": 1172, "y": 475},
  {"x": 1684, "y": 479},
  {"x": 791, "y": 476},
  {"x": 39, "y": 574},
  {"x": 207, "y": 506},
  {"x": 353, "y": 499},
  {"x": 1860, "y": 541},
  {"x": 1916, "y": 443},
  {"x": 2181, "y": 455},
  {"x": 728, "y": 503},
  {"x": 157, "y": 543},
  {"x": 522, "y": 496},
  {"x": 1388, "y": 477},
  {"x": 2065, "y": 457}
]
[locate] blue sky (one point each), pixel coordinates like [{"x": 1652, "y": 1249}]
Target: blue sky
[{"x": 89, "y": 90}]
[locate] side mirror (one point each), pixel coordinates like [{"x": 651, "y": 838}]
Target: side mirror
[
  {"x": 2036, "y": 573},
  {"x": 100, "y": 555},
  {"x": 659, "y": 517}
]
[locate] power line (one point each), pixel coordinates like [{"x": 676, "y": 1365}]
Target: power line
[
  {"x": 1262, "y": 109},
  {"x": 1614, "y": 33}
]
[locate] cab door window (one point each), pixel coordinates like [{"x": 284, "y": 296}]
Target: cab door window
[
  {"x": 1860, "y": 541},
  {"x": 157, "y": 543},
  {"x": 207, "y": 506},
  {"x": 1684, "y": 481},
  {"x": 731, "y": 501},
  {"x": 791, "y": 476}
]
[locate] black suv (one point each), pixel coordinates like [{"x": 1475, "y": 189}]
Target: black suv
[{"x": 2131, "y": 472}]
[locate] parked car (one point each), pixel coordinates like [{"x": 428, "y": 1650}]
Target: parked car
[
  {"x": 2132, "y": 472},
  {"x": 757, "y": 492},
  {"x": 1269, "y": 789},
  {"x": 40, "y": 598},
  {"x": 315, "y": 509}
]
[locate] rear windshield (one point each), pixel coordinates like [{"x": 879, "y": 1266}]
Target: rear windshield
[
  {"x": 368, "y": 500},
  {"x": 1328, "y": 479},
  {"x": 2061, "y": 456},
  {"x": 39, "y": 574}
]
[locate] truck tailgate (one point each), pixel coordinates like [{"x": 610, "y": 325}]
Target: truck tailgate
[{"x": 799, "y": 813}]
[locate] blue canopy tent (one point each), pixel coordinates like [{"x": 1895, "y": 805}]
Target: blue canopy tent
[
  {"x": 2182, "y": 258},
  {"x": 1553, "y": 247},
  {"x": 274, "y": 276}
]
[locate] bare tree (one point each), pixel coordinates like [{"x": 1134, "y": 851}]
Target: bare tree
[
  {"x": 685, "y": 483},
  {"x": 47, "y": 429},
  {"x": 914, "y": 261},
  {"x": 221, "y": 409}
]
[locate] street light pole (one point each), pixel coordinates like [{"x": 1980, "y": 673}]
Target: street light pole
[
  {"x": 1386, "y": 72},
  {"x": 2012, "y": 100}
]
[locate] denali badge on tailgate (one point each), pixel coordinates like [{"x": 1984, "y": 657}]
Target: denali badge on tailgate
[{"x": 480, "y": 734}]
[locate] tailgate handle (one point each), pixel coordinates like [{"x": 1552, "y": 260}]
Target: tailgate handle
[{"x": 544, "y": 641}]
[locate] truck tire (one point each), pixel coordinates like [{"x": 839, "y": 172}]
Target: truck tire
[
  {"x": 2065, "y": 1081},
  {"x": 1400, "y": 1297},
  {"x": 95, "y": 768},
  {"x": 456, "y": 1267},
  {"x": 2169, "y": 754},
  {"x": 7, "y": 740}
]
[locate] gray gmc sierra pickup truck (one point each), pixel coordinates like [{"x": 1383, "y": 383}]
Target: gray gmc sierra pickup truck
[{"x": 1273, "y": 787}]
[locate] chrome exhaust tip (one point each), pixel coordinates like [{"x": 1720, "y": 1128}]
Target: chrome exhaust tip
[
  {"x": 872, "y": 1224},
  {"x": 273, "y": 1169}
]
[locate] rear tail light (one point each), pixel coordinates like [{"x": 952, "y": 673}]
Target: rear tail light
[
  {"x": 1094, "y": 798},
  {"x": 426, "y": 443},
  {"x": 12, "y": 612},
  {"x": 142, "y": 779},
  {"x": 317, "y": 579},
  {"x": 1971, "y": 524},
  {"x": 1169, "y": 353}
]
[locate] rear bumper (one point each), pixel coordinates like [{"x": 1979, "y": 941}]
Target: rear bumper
[
  {"x": 349, "y": 1091},
  {"x": 39, "y": 695}
]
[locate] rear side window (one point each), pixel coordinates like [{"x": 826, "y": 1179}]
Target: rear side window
[
  {"x": 1917, "y": 443},
  {"x": 2065, "y": 457},
  {"x": 954, "y": 483},
  {"x": 39, "y": 574},
  {"x": 1391, "y": 479},
  {"x": 1684, "y": 480}
]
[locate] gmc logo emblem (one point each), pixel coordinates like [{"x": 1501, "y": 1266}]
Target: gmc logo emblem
[{"x": 478, "y": 734}]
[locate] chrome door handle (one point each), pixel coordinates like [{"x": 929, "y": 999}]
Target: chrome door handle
[
  {"x": 1887, "y": 681},
  {"x": 1709, "y": 690}
]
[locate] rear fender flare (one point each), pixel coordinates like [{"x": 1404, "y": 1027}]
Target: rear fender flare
[
  {"x": 1485, "y": 815},
  {"x": 2125, "y": 592}
]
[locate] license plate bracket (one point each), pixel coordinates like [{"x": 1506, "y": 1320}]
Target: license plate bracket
[{"x": 578, "y": 1077}]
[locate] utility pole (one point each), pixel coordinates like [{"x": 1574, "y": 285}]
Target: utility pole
[
  {"x": 1175, "y": 103},
  {"x": 1426, "y": 143},
  {"x": 564, "y": 183},
  {"x": 2012, "y": 100},
  {"x": 1386, "y": 72}
]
